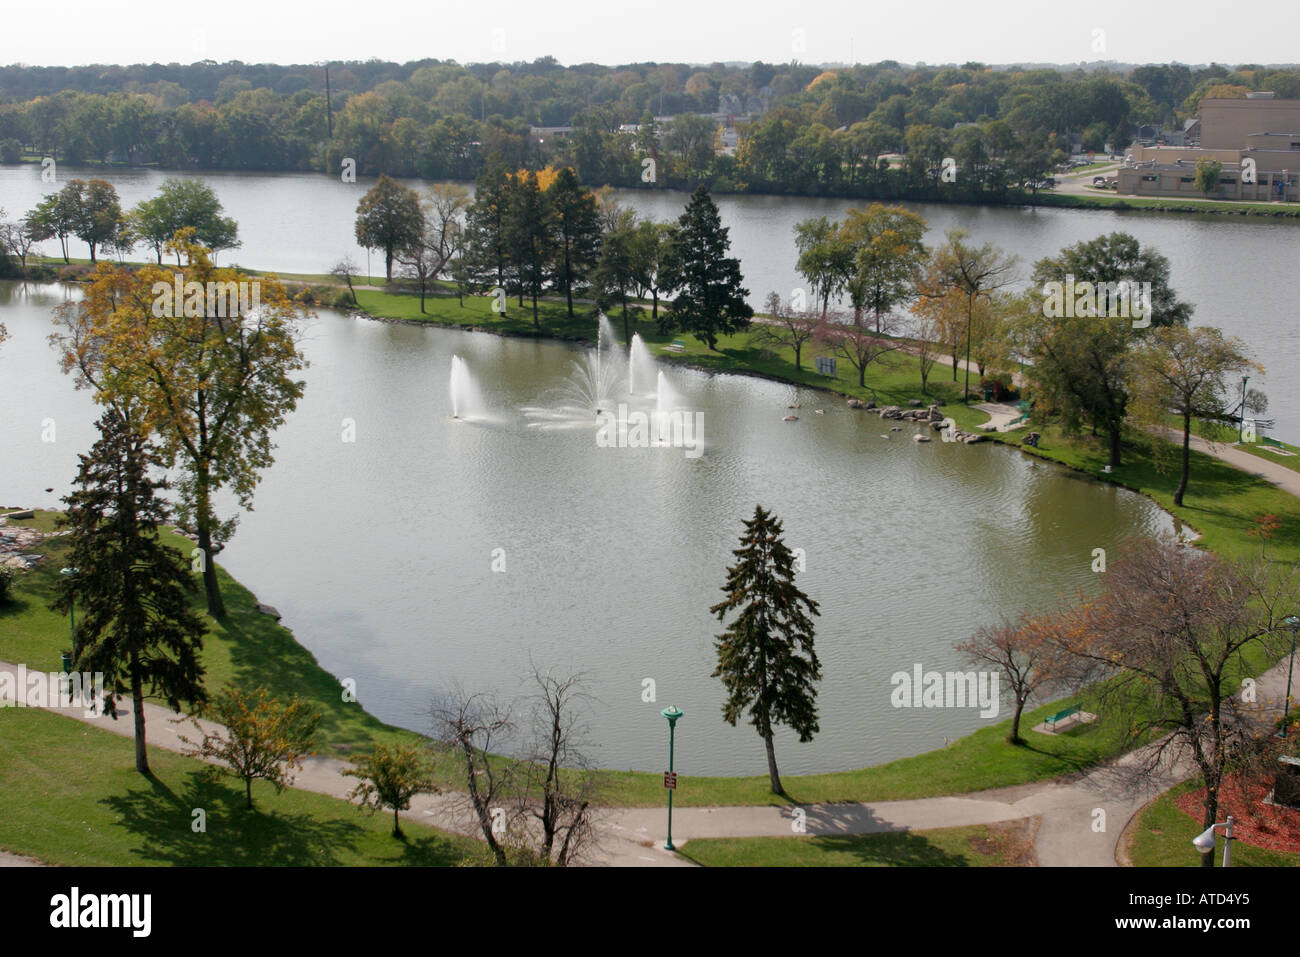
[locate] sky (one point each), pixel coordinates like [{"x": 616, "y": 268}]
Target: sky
[{"x": 75, "y": 32}]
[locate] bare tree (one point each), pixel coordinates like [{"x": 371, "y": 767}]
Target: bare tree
[
  {"x": 788, "y": 329},
  {"x": 857, "y": 344},
  {"x": 559, "y": 786},
  {"x": 345, "y": 269},
  {"x": 17, "y": 239},
  {"x": 926, "y": 333},
  {"x": 1169, "y": 628},
  {"x": 1024, "y": 655},
  {"x": 440, "y": 238},
  {"x": 467, "y": 727}
]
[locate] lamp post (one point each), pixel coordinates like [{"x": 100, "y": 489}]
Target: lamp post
[
  {"x": 1294, "y": 622},
  {"x": 1204, "y": 842},
  {"x": 672, "y": 713},
  {"x": 72, "y": 612},
  {"x": 1241, "y": 422}
]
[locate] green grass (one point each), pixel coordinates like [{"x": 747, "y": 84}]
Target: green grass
[
  {"x": 1162, "y": 837},
  {"x": 981, "y": 845},
  {"x": 1291, "y": 462},
  {"x": 1168, "y": 204},
  {"x": 73, "y": 797}
]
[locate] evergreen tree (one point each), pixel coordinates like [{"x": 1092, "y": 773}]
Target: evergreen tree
[
  {"x": 711, "y": 300},
  {"x": 487, "y": 259},
  {"x": 530, "y": 234},
  {"x": 577, "y": 231},
  {"x": 136, "y": 624},
  {"x": 765, "y": 657}
]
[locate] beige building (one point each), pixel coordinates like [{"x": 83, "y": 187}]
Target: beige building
[{"x": 1257, "y": 140}]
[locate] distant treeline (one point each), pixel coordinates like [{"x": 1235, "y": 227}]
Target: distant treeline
[{"x": 798, "y": 129}]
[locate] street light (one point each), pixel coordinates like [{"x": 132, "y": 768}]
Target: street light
[
  {"x": 1294, "y": 622},
  {"x": 1204, "y": 841},
  {"x": 72, "y": 613},
  {"x": 1241, "y": 424},
  {"x": 672, "y": 713}
]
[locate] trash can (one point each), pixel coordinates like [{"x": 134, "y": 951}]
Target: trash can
[
  {"x": 67, "y": 661},
  {"x": 988, "y": 393}
]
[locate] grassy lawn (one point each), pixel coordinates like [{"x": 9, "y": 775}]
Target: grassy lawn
[
  {"x": 1162, "y": 837},
  {"x": 1288, "y": 461},
  {"x": 1168, "y": 204},
  {"x": 1006, "y": 844},
  {"x": 73, "y": 797}
]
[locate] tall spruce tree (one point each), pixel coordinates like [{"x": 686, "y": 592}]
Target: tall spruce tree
[
  {"x": 711, "y": 300},
  {"x": 765, "y": 657},
  {"x": 577, "y": 231},
  {"x": 530, "y": 235},
  {"x": 136, "y": 624}
]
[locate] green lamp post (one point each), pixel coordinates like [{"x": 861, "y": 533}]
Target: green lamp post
[
  {"x": 672, "y": 713},
  {"x": 68, "y": 659}
]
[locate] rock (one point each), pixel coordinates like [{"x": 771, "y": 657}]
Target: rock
[
  {"x": 891, "y": 412},
  {"x": 896, "y": 428},
  {"x": 870, "y": 405},
  {"x": 819, "y": 411},
  {"x": 937, "y": 426},
  {"x": 791, "y": 418},
  {"x": 268, "y": 610},
  {"x": 795, "y": 406},
  {"x": 920, "y": 437},
  {"x": 969, "y": 439},
  {"x": 856, "y": 404},
  {"x": 914, "y": 403}
]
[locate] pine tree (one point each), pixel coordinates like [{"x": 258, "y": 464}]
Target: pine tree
[
  {"x": 711, "y": 300},
  {"x": 530, "y": 235},
  {"x": 765, "y": 657},
  {"x": 135, "y": 622},
  {"x": 577, "y": 232}
]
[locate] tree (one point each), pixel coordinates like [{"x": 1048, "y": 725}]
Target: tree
[
  {"x": 620, "y": 265},
  {"x": 765, "y": 656},
  {"x": 884, "y": 247},
  {"x": 99, "y": 216},
  {"x": 787, "y": 328},
  {"x": 487, "y": 251},
  {"x": 345, "y": 269},
  {"x": 1022, "y": 653},
  {"x": 926, "y": 334},
  {"x": 465, "y": 727},
  {"x": 530, "y": 235},
  {"x": 259, "y": 736},
  {"x": 211, "y": 376},
  {"x": 973, "y": 272},
  {"x": 711, "y": 300},
  {"x": 857, "y": 344},
  {"x": 53, "y": 217},
  {"x": 1207, "y": 175},
  {"x": 1169, "y": 629},
  {"x": 558, "y": 784},
  {"x": 1185, "y": 371},
  {"x": 656, "y": 260},
  {"x": 136, "y": 626},
  {"x": 440, "y": 238},
  {"x": 183, "y": 203},
  {"x": 577, "y": 232},
  {"x": 389, "y": 218},
  {"x": 390, "y": 776},
  {"x": 825, "y": 260},
  {"x": 17, "y": 239}
]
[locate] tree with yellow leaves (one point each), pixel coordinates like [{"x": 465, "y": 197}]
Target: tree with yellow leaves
[{"x": 205, "y": 359}]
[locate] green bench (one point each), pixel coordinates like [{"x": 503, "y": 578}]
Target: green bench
[
  {"x": 1062, "y": 715},
  {"x": 678, "y": 345}
]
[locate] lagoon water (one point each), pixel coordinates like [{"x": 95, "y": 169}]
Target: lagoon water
[{"x": 380, "y": 552}]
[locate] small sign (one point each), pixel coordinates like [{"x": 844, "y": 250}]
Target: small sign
[{"x": 670, "y": 780}]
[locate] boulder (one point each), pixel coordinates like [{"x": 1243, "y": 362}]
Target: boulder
[
  {"x": 856, "y": 404},
  {"x": 891, "y": 412},
  {"x": 920, "y": 437},
  {"x": 915, "y": 403}
]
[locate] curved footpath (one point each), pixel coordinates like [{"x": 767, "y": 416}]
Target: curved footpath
[{"x": 1071, "y": 831}]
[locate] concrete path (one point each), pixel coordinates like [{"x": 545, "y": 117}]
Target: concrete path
[
  {"x": 1081, "y": 817},
  {"x": 1284, "y": 478}
]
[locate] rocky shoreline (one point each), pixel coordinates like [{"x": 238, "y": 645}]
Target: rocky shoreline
[{"x": 928, "y": 416}]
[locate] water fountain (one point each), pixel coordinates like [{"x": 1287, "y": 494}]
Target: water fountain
[
  {"x": 466, "y": 397},
  {"x": 641, "y": 368}
]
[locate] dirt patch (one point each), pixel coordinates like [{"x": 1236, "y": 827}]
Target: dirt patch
[{"x": 1009, "y": 843}]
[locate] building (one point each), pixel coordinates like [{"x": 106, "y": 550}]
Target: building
[{"x": 1254, "y": 139}]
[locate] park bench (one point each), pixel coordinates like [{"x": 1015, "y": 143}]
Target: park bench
[
  {"x": 677, "y": 345},
  {"x": 1062, "y": 715}
]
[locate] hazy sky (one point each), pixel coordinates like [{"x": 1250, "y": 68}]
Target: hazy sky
[{"x": 608, "y": 31}]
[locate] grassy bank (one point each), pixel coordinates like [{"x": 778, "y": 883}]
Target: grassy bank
[
  {"x": 1007, "y": 844},
  {"x": 1169, "y": 204},
  {"x": 73, "y": 797}
]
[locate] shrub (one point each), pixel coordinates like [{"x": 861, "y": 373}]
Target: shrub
[{"x": 7, "y": 578}]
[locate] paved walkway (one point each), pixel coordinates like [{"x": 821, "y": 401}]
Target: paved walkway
[
  {"x": 1284, "y": 478},
  {"x": 1081, "y": 817}
]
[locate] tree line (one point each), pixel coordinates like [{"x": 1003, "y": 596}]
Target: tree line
[{"x": 802, "y": 129}]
